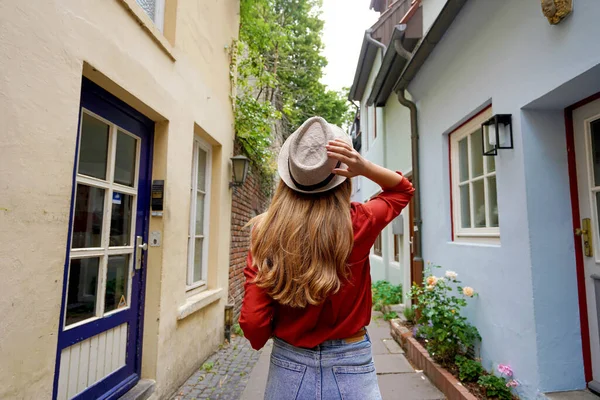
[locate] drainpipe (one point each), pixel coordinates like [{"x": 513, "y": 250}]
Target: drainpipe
[
  {"x": 370, "y": 39},
  {"x": 414, "y": 135}
]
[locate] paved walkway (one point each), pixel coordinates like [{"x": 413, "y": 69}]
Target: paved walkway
[
  {"x": 224, "y": 375},
  {"x": 241, "y": 373}
]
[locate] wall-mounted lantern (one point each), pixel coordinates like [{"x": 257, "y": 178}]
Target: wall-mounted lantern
[
  {"x": 498, "y": 132},
  {"x": 240, "y": 170}
]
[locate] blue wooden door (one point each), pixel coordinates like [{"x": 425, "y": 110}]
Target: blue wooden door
[{"x": 100, "y": 332}]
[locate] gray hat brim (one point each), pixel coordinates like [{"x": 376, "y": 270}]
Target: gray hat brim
[{"x": 284, "y": 155}]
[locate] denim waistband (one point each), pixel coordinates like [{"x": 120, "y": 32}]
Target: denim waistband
[{"x": 333, "y": 343}]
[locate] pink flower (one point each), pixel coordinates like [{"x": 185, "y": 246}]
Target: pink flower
[
  {"x": 505, "y": 370},
  {"x": 512, "y": 383}
]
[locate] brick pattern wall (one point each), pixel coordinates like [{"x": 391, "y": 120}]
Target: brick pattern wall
[{"x": 248, "y": 201}]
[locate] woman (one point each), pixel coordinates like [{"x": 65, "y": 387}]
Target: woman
[{"x": 308, "y": 282}]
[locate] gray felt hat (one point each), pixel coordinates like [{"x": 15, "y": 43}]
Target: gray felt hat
[{"x": 303, "y": 164}]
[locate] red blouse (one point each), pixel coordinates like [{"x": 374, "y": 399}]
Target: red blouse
[{"x": 342, "y": 314}]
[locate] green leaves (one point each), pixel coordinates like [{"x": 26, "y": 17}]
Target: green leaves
[
  {"x": 275, "y": 71},
  {"x": 495, "y": 387},
  {"x": 385, "y": 293},
  {"x": 468, "y": 370}
]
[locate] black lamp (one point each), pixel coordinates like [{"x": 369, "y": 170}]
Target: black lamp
[
  {"x": 240, "y": 170},
  {"x": 498, "y": 132}
]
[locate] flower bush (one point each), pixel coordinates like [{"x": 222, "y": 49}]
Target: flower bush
[{"x": 446, "y": 332}]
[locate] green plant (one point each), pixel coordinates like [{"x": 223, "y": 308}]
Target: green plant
[
  {"x": 468, "y": 370},
  {"x": 384, "y": 293},
  {"x": 439, "y": 302},
  {"x": 410, "y": 315},
  {"x": 495, "y": 387},
  {"x": 236, "y": 329},
  {"x": 390, "y": 315},
  {"x": 208, "y": 366}
]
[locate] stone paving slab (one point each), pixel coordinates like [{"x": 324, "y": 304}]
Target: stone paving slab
[
  {"x": 255, "y": 389},
  {"x": 392, "y": 364},
  {"x": 574, "y": 395},
  {"x": 413, "y": 386},
  {"x": 392, "y": 346}
]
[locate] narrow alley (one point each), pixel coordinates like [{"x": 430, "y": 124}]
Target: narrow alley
[{"x": 238, "y": 372}]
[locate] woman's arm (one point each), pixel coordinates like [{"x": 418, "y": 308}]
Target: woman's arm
[{"x": 257, "y": 309}]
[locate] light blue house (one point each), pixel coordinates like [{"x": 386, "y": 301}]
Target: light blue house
[{"x": 521, "y": 226}]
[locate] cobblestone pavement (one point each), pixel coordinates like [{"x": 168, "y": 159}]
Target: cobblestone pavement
[{"x": 223, "y": 376}]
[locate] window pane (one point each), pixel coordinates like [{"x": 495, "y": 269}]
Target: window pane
[
  {"x": 87, "y": 219},
  {"x": 116, "y": 282},
  {"x": 490, "y": 161},
  {"x": 491, "y": 164},
  {"x": 149, "y": 6},
  {"x": 199, "y": 214},
  {"x": 479, "y": 203},
  {"x": 465, "y": 207},
  {"x": 93, "y": 149},
  {"x": 493, "y": 201},
  {"x": 595, "y": 132},
  {"x": 120, "y": 220},
  {"x": 476, "y": 155},
  {"x": 463, "y": 161},
  {"x": 201, "y": 169},
  {"x": 125, "y": 159},
  {"x": 83, "y": 285},
  {"x": 396, "y": 248},
  {"x": 198, "y": 260}
]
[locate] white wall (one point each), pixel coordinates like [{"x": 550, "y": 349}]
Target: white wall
[{"x": 507, "y": 53}]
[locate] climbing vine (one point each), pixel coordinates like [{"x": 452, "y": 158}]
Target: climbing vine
[{"x": 276, "y": 67}]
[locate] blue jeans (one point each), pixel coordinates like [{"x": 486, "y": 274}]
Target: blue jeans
[{"x": 334, "y": 370}]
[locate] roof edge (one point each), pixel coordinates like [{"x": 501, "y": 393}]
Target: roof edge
[
  {"x": 425, "y": 47},
  {"x": 365, "y": 63}
]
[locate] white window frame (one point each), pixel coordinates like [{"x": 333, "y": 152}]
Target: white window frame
[
  {"x": 190, "y": 284},
  {"x": 159, "y": 14},
  {"x": 487, "y": 233}
]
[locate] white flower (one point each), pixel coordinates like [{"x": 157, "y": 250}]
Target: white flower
[
  {"x": 468, "y": 291},
  {"x": 429, "y": 287},
  {"x": 451, "y": 275}
]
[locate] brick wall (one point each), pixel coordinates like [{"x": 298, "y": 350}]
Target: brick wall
[{"x": 248, "y": 201}]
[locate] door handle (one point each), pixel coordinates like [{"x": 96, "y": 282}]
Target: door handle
[
  {"x": 586, "y": 235},
  {"x": 140, "y": 247}
]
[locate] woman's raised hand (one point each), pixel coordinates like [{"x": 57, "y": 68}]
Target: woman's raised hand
[{"x": 342, "y": 151}]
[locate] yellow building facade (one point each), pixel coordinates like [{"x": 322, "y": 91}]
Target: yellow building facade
[{"x": 114, "y": 195}]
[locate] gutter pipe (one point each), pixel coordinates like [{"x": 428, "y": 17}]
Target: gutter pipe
[
  {"x": 370, "y": 39},
  {"x": 414, "y": 64}
]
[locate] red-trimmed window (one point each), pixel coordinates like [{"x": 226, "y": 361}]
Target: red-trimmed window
[{"x": 473, "y": 183}]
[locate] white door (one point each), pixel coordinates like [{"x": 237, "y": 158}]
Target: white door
[{"x": 586, "y": 128}]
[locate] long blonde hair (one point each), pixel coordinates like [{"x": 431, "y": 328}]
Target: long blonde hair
[{"x": 302, "y": 243}]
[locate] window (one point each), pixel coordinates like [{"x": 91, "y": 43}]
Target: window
[
  {"x": 377, "y": 246},
  {"x": 155, "y": 10},
  {"x": 199, "y": 215},
  {"x": 396, "y": 239},
  {"x": 101, "y": 255},
  {"x": 474, "y": 194}
]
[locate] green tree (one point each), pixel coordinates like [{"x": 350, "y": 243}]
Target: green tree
[{"x": 277, "y": 67}]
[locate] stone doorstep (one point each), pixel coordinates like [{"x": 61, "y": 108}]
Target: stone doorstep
[
  {"x": 141, "y": 391},
  {"x": 419, "y": 357}
]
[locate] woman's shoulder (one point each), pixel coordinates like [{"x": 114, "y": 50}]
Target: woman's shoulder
[{"x": 359, "y": 214}]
